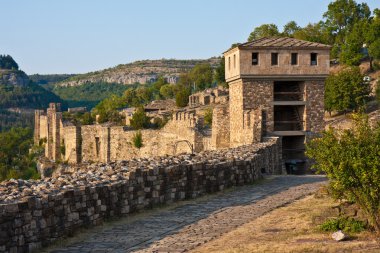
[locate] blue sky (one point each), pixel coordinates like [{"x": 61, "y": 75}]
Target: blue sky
[{"x": 77, "y": 36}]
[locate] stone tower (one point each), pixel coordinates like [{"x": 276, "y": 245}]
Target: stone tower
[
  {"x": 284, "y": 78},
  {"x": 54, "y": 119}
]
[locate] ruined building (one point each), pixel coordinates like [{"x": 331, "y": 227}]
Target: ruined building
[
  {"x": 209, "y": 96},
  {"x": 276, "y": 89},
  {"x": 284, "y": 79}
]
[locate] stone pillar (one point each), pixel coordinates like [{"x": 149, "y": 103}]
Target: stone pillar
[
  {"x": 37, "y": 126},
  {"x": 105, "y": 140},
  {"x": 54, "y": 118},
  {"x": 220, "y": 137},
  {"x": 236, "y": 112}
]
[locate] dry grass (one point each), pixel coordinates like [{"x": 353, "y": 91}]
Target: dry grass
[{"x": 292, "y": 228}]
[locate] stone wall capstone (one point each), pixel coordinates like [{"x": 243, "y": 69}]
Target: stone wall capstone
[{"x": 34, "y": 213}]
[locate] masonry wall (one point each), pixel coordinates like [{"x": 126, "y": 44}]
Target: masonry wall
[
  {"x": 259, "y": 94},
  {"x": 98, "y": 143},
  {"x": 236, "y": 112},
  {"x": 250, "y": 100},
  {"x": 43, "y": 127},
  {"x": 220, "y": 127},
  {"x": 37, "y": 221},
  {"x": 314, "y": 109},
  {"x": 73, "y": 142},
  {"x": 284, "y": 68}
]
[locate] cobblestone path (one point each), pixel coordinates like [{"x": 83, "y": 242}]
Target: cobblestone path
[{"x": 190, "y": 225}]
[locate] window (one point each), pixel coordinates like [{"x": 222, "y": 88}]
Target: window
[
  {"x": 234, "y": 61},
  {"x": 294, "y": 59},
  {"x": 229, "y": 63},
  {"x": 255, "y": 58},
  {"x": 274, "y": 58},
  {"x": 313, "y": 59},
  {"x": 97, "y": 146}
]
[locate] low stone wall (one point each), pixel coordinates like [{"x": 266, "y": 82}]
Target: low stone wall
[{"x": 35, "y": 213}]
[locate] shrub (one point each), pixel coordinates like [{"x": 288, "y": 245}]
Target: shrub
[
  {"x": 139, "y": 119},
  {"x": 208, "y": 117},
  {"x": 346, "y": 91},
  {"x": 137, "y": 140},
  {"x": 349, "y": 225},
  {"x": 182, "y": 96},
  {"x": 351, "y": 161},
  {"x": 159, "y": 123}
]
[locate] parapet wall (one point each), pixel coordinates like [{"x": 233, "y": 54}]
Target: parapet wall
[{"x": 35, "y": 213}]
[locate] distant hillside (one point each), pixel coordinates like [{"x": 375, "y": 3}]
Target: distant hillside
[
  {"x": 141, "y": 72},
  {"x": 88, "y": 94},
  {"x": 18, "y": 95},
  {"x": 49, "y": 79}
]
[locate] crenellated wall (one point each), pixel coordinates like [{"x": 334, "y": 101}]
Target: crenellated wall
[
  {"x": 102, "y": 143},
  {"x": 36, "y": 218}
]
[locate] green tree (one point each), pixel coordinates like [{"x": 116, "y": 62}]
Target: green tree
[
  {"x": 351, "y": 53},
  {"x": 159, "y": 83},
  {"x": 346, "y": 91},
  {"x": 235, "y": 45},
  {"x": 290, "y": 28},
  {"x": 340, "y": 18},
  {"x": 139, "y": 119},
  {"x": 312, "y": 32},
  {"x": 265, "y": 30},
  {"x": 107, "y": 109},
  {"x": 208, "y": 117},
  {"x": 185, "y": 80},
  {"x": 15, "y": 159},
  {"x": 144, "y": 94},
  {"x": 87, "y": 119},
  {"x": 373, "y": 37},
  {"x": 182, "y": 96},
  {"x": 167, "y": 91},
  {"x": 219, "y": 74},
  {"x": 7, "y": 62},
  {"x": 201, "y": 76},
  {"x": 351, "y": 161}
]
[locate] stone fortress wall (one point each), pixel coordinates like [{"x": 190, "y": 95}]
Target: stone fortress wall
[
  {"x": 35, "y": 213},
  {"x": 105, "y": 143}
]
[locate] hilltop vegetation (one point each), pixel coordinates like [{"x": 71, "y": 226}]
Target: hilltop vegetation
[
  {"x": 17, "y": 91},
  {"x": 139, "y": 72},
  {"x": 7, "y": 62},
  {"x": 49, "y": 79},
  {"x": 16, "y": 161},
  {"x": 31, "y": 96},
  {"x": 89, "y": 94},
  {"x": 200, "y": 77}
]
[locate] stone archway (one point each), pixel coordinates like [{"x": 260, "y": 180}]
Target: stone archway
[{"x": 183, "y": 141}]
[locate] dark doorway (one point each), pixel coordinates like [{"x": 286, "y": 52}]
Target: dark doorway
[{"x": 293, "y": 152}]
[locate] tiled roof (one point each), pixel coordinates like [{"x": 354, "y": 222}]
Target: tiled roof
[{"x": 282, "y": 42}]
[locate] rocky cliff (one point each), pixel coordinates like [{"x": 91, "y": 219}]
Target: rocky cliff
[
  {"x": 139, "y": 72},
  {"x": 13, "y": 77}
]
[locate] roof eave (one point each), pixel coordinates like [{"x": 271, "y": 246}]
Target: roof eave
[{"x": 327, "y": 47}]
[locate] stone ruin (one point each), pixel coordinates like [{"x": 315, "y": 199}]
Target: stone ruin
[
  {"x": 211, "y": 96},
  {"x": 105, "y": 143}
]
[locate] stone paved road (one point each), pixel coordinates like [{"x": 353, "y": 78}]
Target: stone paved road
[{"x": 188, "y": 226}]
